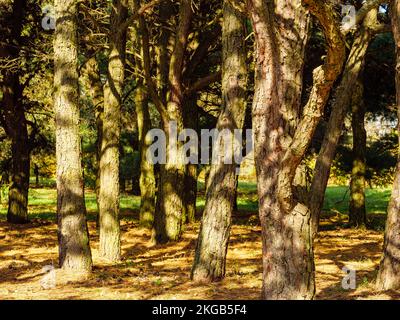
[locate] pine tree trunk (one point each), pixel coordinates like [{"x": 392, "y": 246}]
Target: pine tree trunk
[
  {"x": 191, "y": 119},
  {"x": 212, "y": 243},
  {"x": 282, "y": 134},
  {"x": 389, "y": 270},
  {"x": 73, "y": 237},
  {"x": 357, "y": 212},
  {"x": 97, "y": 95},
  {"x": 14, "y": 122},
  {"x": 340, "y": 106},
  {"x": 18, "y": 192},
  {"x": 110, "y": 247},
  {"x": 170, "y": 208},
  {"x": 147, "y": 179}
]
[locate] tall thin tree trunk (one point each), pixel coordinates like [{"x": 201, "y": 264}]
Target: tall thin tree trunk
[
  {"x": 340, "y": 106},
  {"x": 170, "y": 209},
  {"x": 73, "y": 237},
  {"x": 191, "y": 118},
  {"x": 357, "y": 211},
  {"x": 110, "y": 247},
  {"x": 14, "y": 123},
  {"x": 147, "y": 179},
  {"x": 212, "y": 243},
  {"x": 97, "y": 94},
  {"x": 389, "y": 270}
]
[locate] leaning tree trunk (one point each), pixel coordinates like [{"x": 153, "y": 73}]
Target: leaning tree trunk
[
  {"x": 389, "y": 270},
  {"x": 110, "y": 247},
  {"x": 212, "y": 244},
  {"x": 147, "y": 179},
  {"x": 74, "y": 249},
  {"x": 340, "y": 106},
  {"x": 357, "y": 211},
  {"x": 281, "y": 136}
]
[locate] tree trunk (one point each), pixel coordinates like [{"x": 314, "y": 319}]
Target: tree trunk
[
  {"x": 97, "y": 94},
  {"x": 191, "y": 119},
  {"x": 73, "y": 237},
  {"x": 14, "y": 121},
  {"x": 147, "y": 179},
  {"x": 357, "y": 212},
  {"x": 170, "y": 208},
  {"x": 212, "y": 243},
  {"x": 110, "y": 247},
  {"x": 20, "y": 172},
  {"x": 389, "y": 270},
  {"x": 281, "y": 136},
  {"x": 340, "y": 106}
]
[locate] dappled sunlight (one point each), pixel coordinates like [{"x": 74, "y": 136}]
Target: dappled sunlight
[{"x": 162, "y": 272}]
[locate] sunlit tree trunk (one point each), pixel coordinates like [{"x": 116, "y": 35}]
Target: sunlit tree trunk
[
  {"x": 389, "y": 270},
  {"x": 110, "y": 247},
  {"x": 212, "y": 243},
  {"x": 282, "y": 135},
  {"x": 74, "y": 249},
  {"x": 357, "y": 212}
]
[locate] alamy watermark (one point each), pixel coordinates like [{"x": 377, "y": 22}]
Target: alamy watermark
[
  {"x": 185, "y": 147},
  {"x": 48, "y": 280},
  {"x": 48, "y": 20},
  {"x": 349, "y": 281}
]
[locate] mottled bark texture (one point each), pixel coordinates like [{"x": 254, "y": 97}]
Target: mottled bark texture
[
  {"x": 110, "y": 247},
  {"x": 212, "y": 243},
  {"x": 357, "y": 211},
  {"x": 74, "y": 249},
  {"x": 340, "y": 106},
  {"x": 282, "y": 134},
  {"x": 389, "y": 270},
  {"x": 14, "y": 121}
]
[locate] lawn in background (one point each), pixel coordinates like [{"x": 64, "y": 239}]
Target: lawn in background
[{"x": 42, "y": 201}]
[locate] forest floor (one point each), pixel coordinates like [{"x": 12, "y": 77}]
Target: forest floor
[{"x": 162, "y": 272}]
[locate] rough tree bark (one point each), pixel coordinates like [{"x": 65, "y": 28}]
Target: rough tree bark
[
  {"x": 74, "y": 249},
  {"x": 342, "y": 100},
  {"x": 212, "y": 243},
  {"x": 282, "y": 136},
  {"x": 357, "y": 211},
  {"x": 389, "y": 270},
  {"x": 110, "y": 247}
]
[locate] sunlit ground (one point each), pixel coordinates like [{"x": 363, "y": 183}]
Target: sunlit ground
[{"x": 162, "y": 272}]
